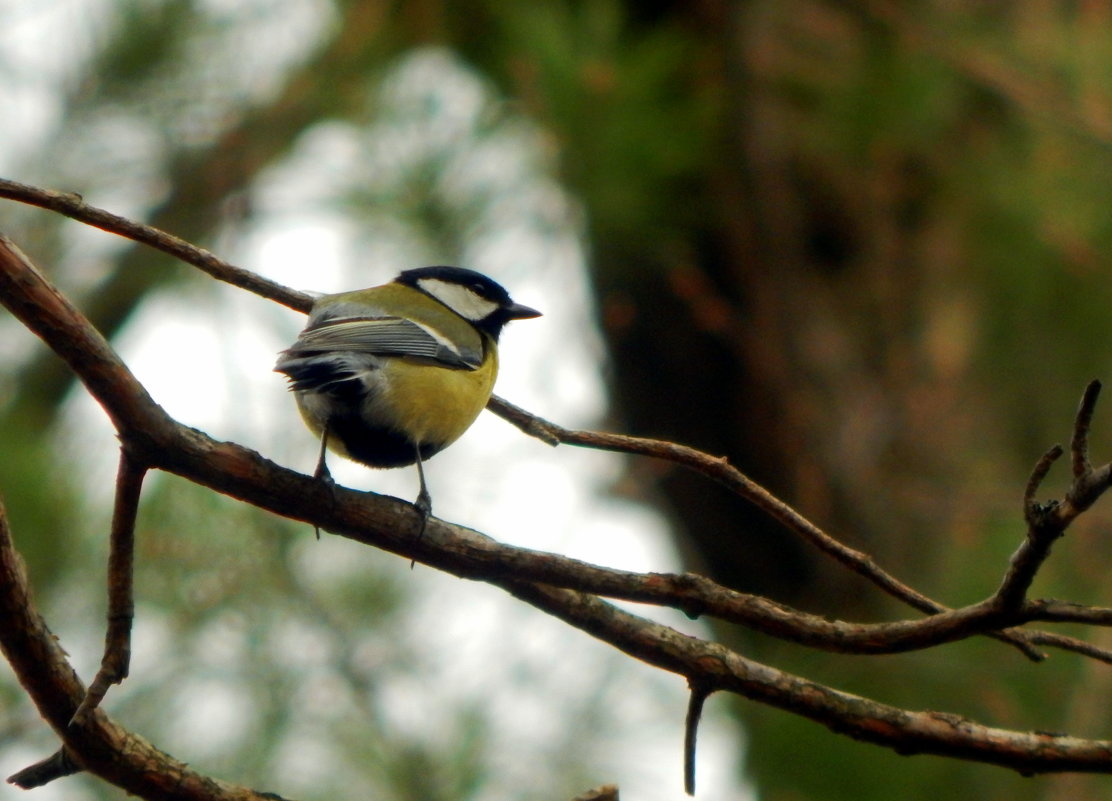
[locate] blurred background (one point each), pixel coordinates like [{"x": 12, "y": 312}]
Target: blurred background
[{"x": 860, "y": 248}]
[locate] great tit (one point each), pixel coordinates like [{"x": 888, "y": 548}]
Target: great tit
[{"x": 391, "y": 375}]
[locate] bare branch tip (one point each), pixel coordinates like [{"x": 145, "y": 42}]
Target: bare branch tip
[
  {"x": 1092, "y": 391},
  {"x": 1079, "y": 444},
  {"x": 699, "y": 693},
  {"x": 1024, "y": 641},
  {"x": 45, "y": 771},
  {"x": 1039, "y": 473}
]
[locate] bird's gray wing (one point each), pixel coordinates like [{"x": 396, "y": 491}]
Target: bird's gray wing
[{"x": 386, "y": 336}]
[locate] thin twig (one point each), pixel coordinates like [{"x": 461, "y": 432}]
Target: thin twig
[
  {"x": 1038, "y": 475},
  {"x": 719, "y": 469},
  {"x": 1047, "y": 522},
  {"x": 697, "y": 696},
  {"x": 1041, "y": 534},
  {"x": 722, "y": 471},
  {"x": 1071, "y": 644},
  {"x": 73, "y": 206},
  {"x": 121, "y": 604},
  {"x": 1079, "y": 445}
]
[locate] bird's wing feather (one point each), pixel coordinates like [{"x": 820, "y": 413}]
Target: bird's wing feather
[{"x": 385, "y": 336}]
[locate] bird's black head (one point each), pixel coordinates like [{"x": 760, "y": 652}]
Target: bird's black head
[{"x": 479, "y": 300}]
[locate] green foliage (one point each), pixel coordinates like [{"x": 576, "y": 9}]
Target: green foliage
[
  {"x": 141, "y": 40},
  {"x": 633, "y": 126},
  {"x": 41, "y": 503}
]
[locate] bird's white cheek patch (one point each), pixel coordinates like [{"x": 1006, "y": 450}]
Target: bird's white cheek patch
[{"x": 459, "y": 299}]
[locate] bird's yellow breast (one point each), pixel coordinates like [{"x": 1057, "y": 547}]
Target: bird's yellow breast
[
  {"x": 427, "y": 406},
  {"x": 431, "y": 404}
]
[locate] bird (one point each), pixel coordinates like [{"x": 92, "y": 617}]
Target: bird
[{"x": 391, "y": 375}]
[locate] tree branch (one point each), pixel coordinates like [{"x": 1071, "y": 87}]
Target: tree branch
[
  {"x": 902, "y": 730},
  {"x": 720, "y": 470},
  {"x": 562, "y": 587},
  {"x": 717, "y": 469},
  {"x": 157, "y": 440},
  {"x": 121, "y": 603},
  {"x": 73, "y": 206},
  {"x": 95, "y": 742}
]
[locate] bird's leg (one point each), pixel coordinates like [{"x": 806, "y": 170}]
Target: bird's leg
[
  {"x": 322, "y": 473},
  {"x": 423, "y": 504}
]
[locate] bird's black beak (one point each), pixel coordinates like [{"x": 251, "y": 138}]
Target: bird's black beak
[{"x": 515, "y": 311}]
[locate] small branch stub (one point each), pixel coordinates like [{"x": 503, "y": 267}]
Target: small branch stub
[
  {"x": 699, "y": 692},
  {"x": 45, "y": 771}
]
